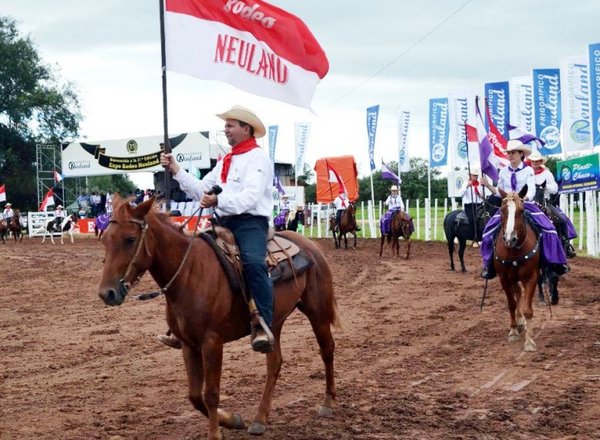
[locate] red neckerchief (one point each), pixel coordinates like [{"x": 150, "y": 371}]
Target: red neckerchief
[
  {"x": 343, "y": 201},
  {"x": 475, "y": 185},
  {"x": 241, "y": 148},
  {"x": 540, "y": 170}
]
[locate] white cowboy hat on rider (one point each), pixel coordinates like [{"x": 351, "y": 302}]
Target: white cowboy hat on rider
[
  {"x": 516, "y": 145},
  {"x": 535, "y": 156},
  {"x": 475, "y": 171},
  {"x": 59, "y": 207},
  {"x": 243, "y": 114},
  {"x": 394, "y": 188},
  {"x": 285, "y": 196},
  {"x": 7, "y": 205}
]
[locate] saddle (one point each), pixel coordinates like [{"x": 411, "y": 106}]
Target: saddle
[{"x": 285, "y": 260}]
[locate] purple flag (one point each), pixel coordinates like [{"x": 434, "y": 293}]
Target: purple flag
[
  {"x": 524, "y": 137},
  {"x": 277, "y": 185},
  {"x": 388, "y": 174}
]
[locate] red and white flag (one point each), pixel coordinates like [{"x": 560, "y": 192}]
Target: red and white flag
[
  {"x": 3, "y": 193},
  {"x": 48, "y": 200},
  {"x": 250, "y": 44},
  {"x": 57, "y": 176},
  {"x": 334, "y": 177}
]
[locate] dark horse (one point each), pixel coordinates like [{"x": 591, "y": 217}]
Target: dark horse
[
  {"x": 3, "y": 229},
  {"x": 14, "y": 226},
  {"x": 547, "y": 276},
  {"x": 204, "y": 312},
  {"x": 517, "y": 260},
  {"x": 347, "y": 225},
  {"x": 400, "y": 226},
  {"x": 456, "y": 226},
  {"x": 295, "y": 219}
]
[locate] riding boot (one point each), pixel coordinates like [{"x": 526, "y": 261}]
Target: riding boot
[
  {"x": 170, "y": 340},
  {"x": 560, "y": 269},
  {"x": 488, "y": 272}
]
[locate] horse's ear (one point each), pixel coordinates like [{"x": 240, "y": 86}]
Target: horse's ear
[
  {"x": 142, "y": 209},
  {"x": 543, "y": 185},
  {"x": 502, "y": 193},
  {"x": 523, "y": 192}
]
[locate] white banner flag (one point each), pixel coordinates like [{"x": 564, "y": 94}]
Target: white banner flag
[
  {"x": 403, "y": 125},
  {"x": 302, "y": 130},
  {"x": 576, "y": 110},
  {"x": 462, "y": 111},
  {"x": 521, "y": 103}
]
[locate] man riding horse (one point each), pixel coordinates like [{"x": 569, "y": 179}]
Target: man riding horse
[
  {"x": 514, "y": 178},
  {"x": 473, "y": 201},
  {"x": 544, "y": 178},
  {"x": 341, "y": 202}
]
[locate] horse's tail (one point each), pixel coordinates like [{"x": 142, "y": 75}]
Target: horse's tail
[{"x": 336, "y": 322}]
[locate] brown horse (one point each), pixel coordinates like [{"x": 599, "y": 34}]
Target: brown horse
[
  {"x": 347, "y": 225},
  {"x": 516, "y": 260},
  {"x": 3, "y": 229},
  {"x": 15, "y": 226},
  {"x": 400, "y": 226},
  {"x": 203, "y": 311}
]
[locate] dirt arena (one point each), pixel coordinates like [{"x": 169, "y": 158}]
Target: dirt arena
[{"x": 415, "y": 359}]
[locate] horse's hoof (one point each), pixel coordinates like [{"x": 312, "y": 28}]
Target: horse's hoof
[
  {"x": 513, "y": 336},
  {"x": 530, "y": 346},
  {"x": 237, "y": 422},
  {"x": 325, "y": 411},
  {"x": 257, "y": 428},
  {"x": 521, "y": 328}
]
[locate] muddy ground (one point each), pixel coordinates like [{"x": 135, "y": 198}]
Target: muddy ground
[{"x": 416, "y": 358}]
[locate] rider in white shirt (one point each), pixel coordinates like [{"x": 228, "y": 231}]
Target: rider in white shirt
[
  {"x": 59, "y": 216},
  {"x": 473, "y": 198},
  {"x": 8, "y": 212}
]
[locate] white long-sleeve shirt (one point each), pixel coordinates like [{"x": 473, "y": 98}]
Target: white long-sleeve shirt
[
  {"x": 394, "y": 202},
  {"x": 469, "y": 195},
  {"x": 341, "y": 202},
  {"x": 525, "y": 176},
  {"x": 247, "y": 190},
  {"x": 548, "y": 177}
]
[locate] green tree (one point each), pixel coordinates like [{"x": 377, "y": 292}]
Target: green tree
[{"x": 35, "y": 106}]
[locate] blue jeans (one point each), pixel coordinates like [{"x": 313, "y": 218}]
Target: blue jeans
[{"x": 250, "y": 232}]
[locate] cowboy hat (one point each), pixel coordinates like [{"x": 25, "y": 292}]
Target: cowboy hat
[
  {"x": 474, "y": 170},
  {"x": 535, "y": 156},
  {"x": 59, "y": 207},
  {"x": 394, "y": 188},
  {"x": 285, "y": 196},
  {"x": 516, "y": 145},
  {"x": 8, "y": 204},
  {"x": 243, "y": 114}
]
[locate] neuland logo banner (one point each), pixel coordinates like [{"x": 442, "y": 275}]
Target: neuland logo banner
[
  {"x": 576, "y": 110},
  {"x": 521, "y": 103},
  {"x": 134, "y": 154},
  {"x": 580, "y": 174},
  {"x": 372, "y": 116},
  {"x": 546, "y": 102},
  {"x": 497, "y": 99},
  {"x": 302, "y": 130},
  {"x": 438, "y": 132},
  {"x": 403, "y": 124},
  {"x": 462, "y": 110},
  {"x": 272, "y": 141},
  {"x": 594, "y": 55}
]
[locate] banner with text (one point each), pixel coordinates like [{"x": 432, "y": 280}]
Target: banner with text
[
  {"x": 132, "y": 155},
  {"x": 521, "y": 103},
  {"x": 546, "y": 102},
  {"x": 403, "y": 125},
  {"x": 438, "y": 132},
  {"x": 461, "y": 112},
  {"x": 497, "y": 98},
  {"x": 594, "y": 57},
  {"x": 302, "y": 130},
  {"x": 579, "y": 175},
  {"x": 272, "y": 141},
  {"x": 372, "y": 116},
  {"x": 575, "y": 84}
]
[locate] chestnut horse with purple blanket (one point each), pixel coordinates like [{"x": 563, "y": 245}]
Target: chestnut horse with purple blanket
[{"x": 202, "y": 309}]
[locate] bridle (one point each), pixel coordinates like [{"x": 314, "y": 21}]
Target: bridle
[{"x": 124, "y": 285}]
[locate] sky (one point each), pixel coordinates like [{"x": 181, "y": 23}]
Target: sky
[{"x": 393, "y": 53}]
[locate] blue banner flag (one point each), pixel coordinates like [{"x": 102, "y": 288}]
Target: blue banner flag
[
  {"x": 272, "y": 141},
  {"x": 546, "y": 102},
  {"x": 372, "y": 115},
  {"x": 438, "y": 132},
  {"x": 594, "y": 54},
  {"x": 498, "y": 104}
]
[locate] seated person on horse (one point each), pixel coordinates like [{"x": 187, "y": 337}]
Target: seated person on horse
[
  {"x": 513, "y": 178},
  {"x": 59, "y": 216},
  {"x": 280, "y": 221},
  {"x": 8, "y": 213},
  {"x": 341, "y": 202},
  {"x": 395, "y": 205},
  {"x": 545, "y": 178},
  {"x": 472, "y": 200},
  {"x": 244, "y": 207}
]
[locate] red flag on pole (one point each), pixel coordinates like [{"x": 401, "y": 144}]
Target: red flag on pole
[
  {"x": 48, "y": 200},
  {"x": 3, "y": 193},
  {"x": 254, "y": 46}
]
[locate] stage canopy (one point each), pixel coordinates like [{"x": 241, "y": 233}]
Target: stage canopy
[{"x": 332, "y": 169}]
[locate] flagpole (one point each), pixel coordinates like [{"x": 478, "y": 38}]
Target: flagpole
[
  {"x": 473, "y": 210},
  {"x": 163, "y": 57}
]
